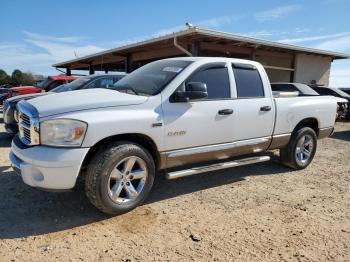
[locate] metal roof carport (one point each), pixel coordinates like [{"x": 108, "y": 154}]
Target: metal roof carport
[{"x": 283, "y": 62}]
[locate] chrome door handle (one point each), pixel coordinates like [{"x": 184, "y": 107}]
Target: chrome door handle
[
  {"x": 225, "y": 112},
  {"x": 265, "y": 108}
]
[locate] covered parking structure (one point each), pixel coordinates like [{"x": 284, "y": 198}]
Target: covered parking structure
[{"x": 283, "y": 62}]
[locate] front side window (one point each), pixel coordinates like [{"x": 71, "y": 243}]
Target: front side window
[
  {"x": 117, "y": 78},
  {"x": 248, "y": 81},
  {"x": 152, "y": 78},
  {"x": 216, "y": 79},
  {"x": 106, "y": 82}
]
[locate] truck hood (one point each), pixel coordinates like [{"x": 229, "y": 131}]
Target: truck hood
[
  {"x": 60, "y": 103},
  {"x": 16, "y": 99}
]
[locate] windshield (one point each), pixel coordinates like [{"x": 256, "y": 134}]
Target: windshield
[
  {"x": 151, "y": 79},
  {"x": 41, "y": 84},
  {"x": 76, "y": 84}
]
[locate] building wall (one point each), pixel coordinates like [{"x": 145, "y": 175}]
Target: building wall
[
  {"x": 278, "y": 75},
  {"x": 311, "y": 67},
  {"x": 273, "y": 58},
  {"x": 277, "y": 59}
]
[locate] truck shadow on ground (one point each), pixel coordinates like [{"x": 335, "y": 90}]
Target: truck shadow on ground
[
  {"x": 26, "y": 211},
  {"x": 342, "y": 135},
  {"x": 5, "y": 139}
]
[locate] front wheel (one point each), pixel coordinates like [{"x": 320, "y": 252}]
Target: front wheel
[
  {"x": 119, "y": 178},
  {"x": 301, "y": 149}
]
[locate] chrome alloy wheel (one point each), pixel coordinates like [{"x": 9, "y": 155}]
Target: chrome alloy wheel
[
  {"x": 127, "y": 179},
  {"x": 304, "y": 150}
]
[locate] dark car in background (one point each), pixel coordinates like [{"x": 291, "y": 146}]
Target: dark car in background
[
  {"x": 85, "y": 82},
  {"x": 345, "y": 89},
  {"x": 3, "y": 97},
  {"x": 4, "y": 88},
  {"x": 343, "y": 98}
]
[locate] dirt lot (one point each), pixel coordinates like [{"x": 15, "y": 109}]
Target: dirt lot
[{"x": 262, "y": 212}]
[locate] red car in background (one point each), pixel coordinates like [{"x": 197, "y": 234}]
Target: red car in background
[{"x": 44, "y": 86}]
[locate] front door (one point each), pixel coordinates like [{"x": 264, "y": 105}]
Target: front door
[{"x": 199, "y": 126}]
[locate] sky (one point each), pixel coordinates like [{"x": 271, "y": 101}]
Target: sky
[{"x": 38, "y": 33}]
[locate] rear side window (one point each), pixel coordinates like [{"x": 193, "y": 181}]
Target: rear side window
[
  {"x": 54, "y": 84},
  {"x": 217, "y": 81},
  {"x": 248, "y": 81}
]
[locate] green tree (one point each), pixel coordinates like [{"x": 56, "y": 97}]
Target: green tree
[
  {"x": 28, "y": 78},
  {"x": 4, "y": 78},
  {"x": 17, "y": 77}
]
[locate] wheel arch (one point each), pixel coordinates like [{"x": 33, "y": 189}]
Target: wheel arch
[
  {"x": 308, "y": 122},
  {"x": 139, "y": 139}
]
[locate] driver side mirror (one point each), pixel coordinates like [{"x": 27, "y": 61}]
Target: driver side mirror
[{"x": 193, "y": 91}]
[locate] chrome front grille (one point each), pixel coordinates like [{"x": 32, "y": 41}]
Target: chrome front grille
[
  {"x": 28, "y": 123},
  {"x": 25, "y": 119},
  {"x": 25, "y": 122}
]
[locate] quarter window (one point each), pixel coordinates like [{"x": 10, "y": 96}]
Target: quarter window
[
  {"x": 248, "y": 81},
  {"x": 217, "y": 81}
]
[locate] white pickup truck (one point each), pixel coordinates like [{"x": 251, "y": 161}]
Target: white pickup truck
[{"x": 182, "y": 115}]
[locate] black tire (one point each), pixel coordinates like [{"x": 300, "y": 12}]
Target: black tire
[
  {"x": 288, "y": 154},
  {"x": 103, "y": 163}
]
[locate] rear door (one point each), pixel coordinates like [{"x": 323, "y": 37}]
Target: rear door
[{"x": 253, "y": 106}]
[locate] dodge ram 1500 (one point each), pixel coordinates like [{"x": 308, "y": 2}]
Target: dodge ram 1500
[{"x": 183, "y": 116}]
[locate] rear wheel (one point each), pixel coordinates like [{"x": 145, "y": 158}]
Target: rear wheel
[
  {"x": 119, "y": 178},
  {"x": 301, "y": 149}
]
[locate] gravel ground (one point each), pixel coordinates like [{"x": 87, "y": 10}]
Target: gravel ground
[{"x": 262, "y": 212}]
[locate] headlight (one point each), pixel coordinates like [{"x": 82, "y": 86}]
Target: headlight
[{"x": 62, "y": 132}]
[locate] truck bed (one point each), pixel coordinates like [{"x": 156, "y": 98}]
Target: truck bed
[{"x": 291, "y": 110}]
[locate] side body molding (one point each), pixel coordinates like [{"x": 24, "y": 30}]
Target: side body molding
[{"x": 223, "y": 151}]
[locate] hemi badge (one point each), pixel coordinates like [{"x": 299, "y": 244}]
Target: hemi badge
[{"x": 157, "y": 124}]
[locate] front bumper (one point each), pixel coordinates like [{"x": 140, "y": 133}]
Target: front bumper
[{"x": 47, "y": 167}]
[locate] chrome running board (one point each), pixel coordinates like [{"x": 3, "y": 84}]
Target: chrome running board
[{"x": 213, "y": 167}]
